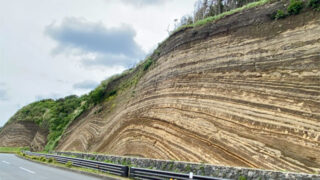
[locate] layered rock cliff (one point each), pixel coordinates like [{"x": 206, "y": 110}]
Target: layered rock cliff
[
  {"x": 242, "y": 91},
  {"x": 23, "y": 134}
]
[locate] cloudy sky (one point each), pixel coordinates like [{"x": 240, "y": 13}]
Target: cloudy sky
[{"x": 54, "y": 48}]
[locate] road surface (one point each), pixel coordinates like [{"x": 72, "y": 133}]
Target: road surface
[{"x": 14, "y": 168}]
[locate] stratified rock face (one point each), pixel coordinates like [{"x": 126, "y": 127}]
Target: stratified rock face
[
  {"x": 39, "y": 141},
  {"x": 242, "y": 92},
  {"x": 18, "y": 134}
]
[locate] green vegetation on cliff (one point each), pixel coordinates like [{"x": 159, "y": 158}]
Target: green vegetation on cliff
[
  {"x": 53, "y": 115},
  {"x": 314, "y": 4}
]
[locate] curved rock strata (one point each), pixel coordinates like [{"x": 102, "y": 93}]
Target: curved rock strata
[
  {"x": 244, "y": 91},
  {"x": 18, "y": 134}
]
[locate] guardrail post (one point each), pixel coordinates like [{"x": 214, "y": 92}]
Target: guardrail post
[
  {"x": 191, "y": 175},
  {"x": 125, "y": 170}
]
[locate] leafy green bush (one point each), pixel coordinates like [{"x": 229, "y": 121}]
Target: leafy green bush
[
  {"x": 147, "y": 64},
  {"x": 157, "y": 52},
  {"x": 280, "y": 14},
  {"x": 295, "y": 7},
  {"x": 69, "y": 164},
  {"x": 314, "y": 4},
  {"x": 35, "y": 157},
  {"x": 51, "y": 160},
  {"x": 97, "y": 94},
  {"x": 43, "y": 159},
  {"x": 242, "y": 178}
]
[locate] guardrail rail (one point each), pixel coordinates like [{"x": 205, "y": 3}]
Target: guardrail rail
[
  {"x": 124, "y": 171},
  {"x": 140, "y": 173}
]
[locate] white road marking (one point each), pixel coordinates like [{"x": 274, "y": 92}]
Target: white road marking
[
  {"x": 6, "y": 162},
  {"x": 27, "y": 170}
]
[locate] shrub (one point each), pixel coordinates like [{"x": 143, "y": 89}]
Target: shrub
[
  {"x": 295, "y": 7},
  {"x": 34, "y": 158},
  {"x": 242, "y": 178},
  {"x": 314, "y": 4},
  {"x": 157, "y": 52},
  {"x": 188, "y": 168},
  {"x": 51, "y": 160},
  {"x": 112, "y": 93},
  {"x": 43, "y": 159},
  {"x": 280, "y": 14},
  {"x": 97, "y": 95},
  {"x": 147, "y": 64},
  {"x": 69, "y": 164}
]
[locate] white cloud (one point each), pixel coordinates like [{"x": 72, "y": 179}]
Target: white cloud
[{"x": 111, "y": 46}]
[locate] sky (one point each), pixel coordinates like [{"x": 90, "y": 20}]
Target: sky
[{"x": 55, "y": 48}]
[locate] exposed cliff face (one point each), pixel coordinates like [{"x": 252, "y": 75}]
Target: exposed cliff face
[
  {"x": 19, "y": 134},
  {"x": 244, "y": 91},
  {"x": 40, "y": 140}
]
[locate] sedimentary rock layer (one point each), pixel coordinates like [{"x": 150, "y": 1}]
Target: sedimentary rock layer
[
  {"x": 18, "y": 134},
  {"x": 244, "y": 91}
]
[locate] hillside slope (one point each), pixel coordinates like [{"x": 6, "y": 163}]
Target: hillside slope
[{"x": 243, "y": 91}]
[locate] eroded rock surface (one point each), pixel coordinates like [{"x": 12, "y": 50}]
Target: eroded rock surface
[
  {"x": 244, "y": 91},
  {"x": 18, "y": 134}
]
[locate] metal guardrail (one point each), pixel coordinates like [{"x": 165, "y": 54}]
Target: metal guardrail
[
  {"x": 125, "y": 171},
  {"x": 140, "y": 173}
]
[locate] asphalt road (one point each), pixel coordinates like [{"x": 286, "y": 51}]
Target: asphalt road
[{"x": 14, "y": 168}]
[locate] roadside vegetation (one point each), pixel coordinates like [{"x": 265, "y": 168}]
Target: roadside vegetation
[{"x": 13, "y": 149}]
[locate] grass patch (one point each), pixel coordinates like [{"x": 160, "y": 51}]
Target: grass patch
[{"x": 13, "y": 149}]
